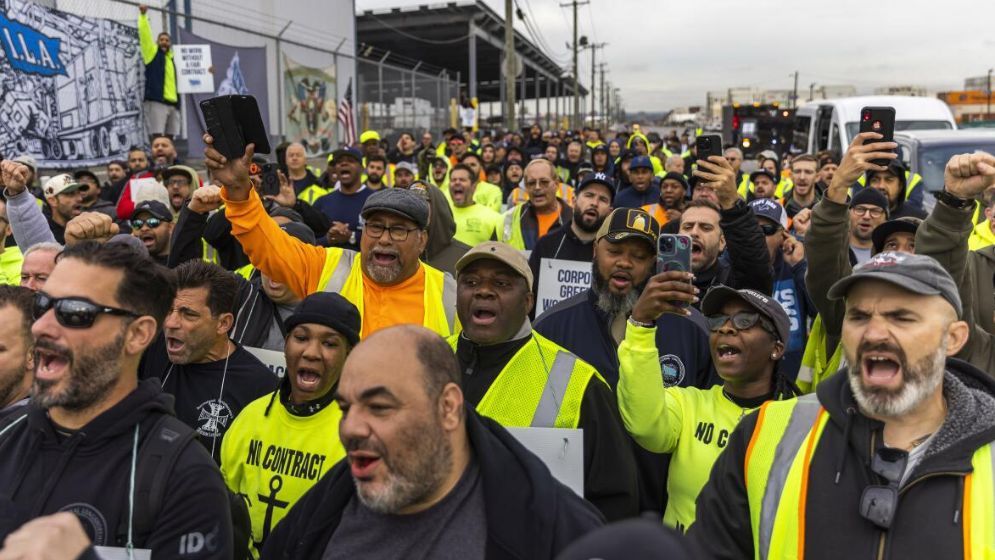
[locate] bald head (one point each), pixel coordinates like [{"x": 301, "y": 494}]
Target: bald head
[
  {"x": 296, "y": 157},
  {"x": 386, "y": 348},
  {"x": 550, "y": 167}
]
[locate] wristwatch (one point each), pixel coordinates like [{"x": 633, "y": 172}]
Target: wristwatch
[
  {"x": 954, "y": 201},
  {"x": 640, "y": 323}
]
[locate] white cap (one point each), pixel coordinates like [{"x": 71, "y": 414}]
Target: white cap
[{"x": 61, "y": 184}]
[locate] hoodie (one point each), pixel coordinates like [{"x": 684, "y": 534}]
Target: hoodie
[
  {"x": 529, "y": 514},
  {"x": 46, "y": 469},
  {"x": 928, "y": 522},
  {"x": 442, "y": 250}
]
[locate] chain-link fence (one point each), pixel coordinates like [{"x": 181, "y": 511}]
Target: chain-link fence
[
  {"x": 393, "y": 98},
  {"x": 391, "y": 92}
]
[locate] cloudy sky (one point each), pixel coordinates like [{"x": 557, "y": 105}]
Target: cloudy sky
[{"x": 668, "y": 53}]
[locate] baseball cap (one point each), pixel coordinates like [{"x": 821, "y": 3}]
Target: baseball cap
[
  {"x": 61, "y": 184},
  {"x": 86, "y": 173},
  {"x": 632, "y": 539},
  {"x": 873, "y": 197},
  {"x": 772, "y": 210},
  {"x": 368, "y": 135},
  {"x": 457, "y": 138},
  {"x": 27, "y": 160},
  {"x": 501, "y": 252},
  {"x": 764, "y": 172},
  {"x": 347, "y": 152},
  {"x": 629, "y": 223},
  {"x": 641, "y": 162},
  {"x": 331, "y": 310},
  {"x": 407, "y": 166},
  {"x": 764, "y": 304},
  {"x": 769, "y": 154},
  {"x": 598, "y": 178},
  {"x": 402, "y": 202},
  {"x": 182, "y": 170},
  {"x": 154, "y": 207},
  {"x": 918, "y": 274},
  {"x": 907, "y": 224}
]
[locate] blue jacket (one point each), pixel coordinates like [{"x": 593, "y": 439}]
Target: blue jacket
[
  {"x": 579, "y": 326},
  {"x": 791, "y": 293},
  {"x": 631, "y": 198}
]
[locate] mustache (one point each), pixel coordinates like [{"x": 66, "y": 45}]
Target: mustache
[
  {"x": 54, "y": 348},
  {"x": 866, "y": 347}
]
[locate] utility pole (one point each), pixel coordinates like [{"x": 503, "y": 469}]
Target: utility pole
[
  {"x": 604, "y": 111},
  {"x": 576, "y": 48},
  {"x": 811, "y": 91},
  {"x": 594, "y": 49},
  {"x": 794, "y": 95},
  {"x": 988, "y": 111},
  {"x": 509, "y": 65}
]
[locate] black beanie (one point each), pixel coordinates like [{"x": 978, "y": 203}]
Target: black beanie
[
  {"x": 331, "y": 310},
  {"x": 872, "y": 196}
]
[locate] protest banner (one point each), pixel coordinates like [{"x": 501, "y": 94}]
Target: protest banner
[
  {"x": 193, "y": 69},
  {"x": 311, "y": 113},
  {"x": 560, "y": 279}
]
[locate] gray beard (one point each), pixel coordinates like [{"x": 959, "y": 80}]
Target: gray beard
[
  {"x": 920, "y": 381},
  {"x": 610, "y": 303}
]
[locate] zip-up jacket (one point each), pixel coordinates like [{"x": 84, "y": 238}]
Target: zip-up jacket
[
  {"x": 160, "y": 73},
  {"x": 520, "y": 227},
  {"x": 827, "y": 248},
  {"x": 933, "y": 505},
  {"x": 43, "y": 472},
  {"x": 748, "y": 266},
  {"x": 529, "y": 514},
  {"x": 944, "y": 236}
]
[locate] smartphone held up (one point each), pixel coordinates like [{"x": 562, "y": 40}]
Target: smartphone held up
[
  {"x": 234, "y": 122},
  {"x": 882, "y": 121}
]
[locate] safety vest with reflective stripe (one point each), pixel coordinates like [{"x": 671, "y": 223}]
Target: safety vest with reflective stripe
[
  {"x": 816, "y": 364},
  {"x": 776, "y": 471},
  {"x": 245, "y": 271},
  {"x": 912, "y": 180},
  {"x": 658, "y": 212},
  {"x": 512, "y": 231},
  {"x": 343, "y": 274},
  {"x": 312, "y": 193},
  {"x": 745, "y": 186},
  {"x": 209, "y": 253},
  {"x": 542, "y": 386}
]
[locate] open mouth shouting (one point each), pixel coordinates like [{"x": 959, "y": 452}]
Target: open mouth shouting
[
  {"x": 384, "y": 257},
  {"x": 880, "y": 368},
  {"x": 51, "y": 361},
  {"x": 483, "y": 314},
  {"x": 308, "y": 379},
  {"x": 727, "y": 353}
]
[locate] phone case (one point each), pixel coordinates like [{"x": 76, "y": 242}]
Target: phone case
[
  {"x": 234, "y": 121},
  {"x": 880, "y": 120}
]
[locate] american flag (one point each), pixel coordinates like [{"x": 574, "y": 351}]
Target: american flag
[{"x": 345, "y": 116}]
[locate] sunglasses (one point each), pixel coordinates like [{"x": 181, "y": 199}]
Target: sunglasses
[
  {"x": 74, "y": 312},
  {"x": 769, "y": 229},
  {"x": 151, "y": 222},
  {"x": 878, "y": 501},
  {"x": 740, "y": 321}
]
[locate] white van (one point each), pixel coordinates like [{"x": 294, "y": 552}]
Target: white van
[{"x": 831, "y": 124}]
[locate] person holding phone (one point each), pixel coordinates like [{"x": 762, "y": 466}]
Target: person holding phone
[{"x": 749, "y": 334}]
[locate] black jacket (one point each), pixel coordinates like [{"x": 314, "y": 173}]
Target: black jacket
[
  {"x": 928, "y": 521},
  {"x": 529, "y": 514},
  {"x": 748, "y": 265},
  {"x": 559, "y": 243},
  {"x": 87, "y": 472}
]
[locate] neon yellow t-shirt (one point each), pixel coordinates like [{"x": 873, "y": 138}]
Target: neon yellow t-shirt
[
  {"x": 692, "y": 424},
  {"x": 272, "y": 460},
  {"x": 475, "y": 224}
]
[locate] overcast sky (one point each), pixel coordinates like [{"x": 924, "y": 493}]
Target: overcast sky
[{"x": 668, "y": 53}]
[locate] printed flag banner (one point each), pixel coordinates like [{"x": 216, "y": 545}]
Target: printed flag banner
[
  {"x": 237, "y": 71},
  {"x": 70, "y": 86},
  {"x": 310, "y": 112}
]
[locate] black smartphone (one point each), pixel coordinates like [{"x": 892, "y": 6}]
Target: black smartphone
[
  {"x": 708, "y": 145},
  {"x": 270, "y": 179},
  {"x": 882, "y": 121},
  {"x": 234, "y": 121},
  {"x": 673, "y": 252}
]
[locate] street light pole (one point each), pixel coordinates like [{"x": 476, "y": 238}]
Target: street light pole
[{"x": 988, "y": 111}]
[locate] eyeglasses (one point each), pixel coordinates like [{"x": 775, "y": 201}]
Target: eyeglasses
[
  {"x": 74, "y": 312},
  {"x": 181, "y": 182},
  {"x": 151, "y": 222},
  {"x": 874, "y": 211},
  {"x": 397, "y": 233},
  {"x": 740, "y": 321},
  {"x": 770, "y": 229},
  {"x": 878, "y": 501}
]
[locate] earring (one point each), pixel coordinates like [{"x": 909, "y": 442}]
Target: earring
[{"x": 773, "y": 356}]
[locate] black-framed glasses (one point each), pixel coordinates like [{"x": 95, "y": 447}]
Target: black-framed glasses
[
  {"x": 740, "y": 321},
  {"x": 74, "y": 312},
  {"x": 151, "y": 222},
  {"x": 179, "y": 182},
  {"x": 873, "y": 211},
  {"x": 769, "y": 229},
  {"x": 397, "y": 233},
  {"x": 878, "y": 501}
]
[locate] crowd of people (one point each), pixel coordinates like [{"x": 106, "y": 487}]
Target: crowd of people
[{"x": 246, "y": 358}]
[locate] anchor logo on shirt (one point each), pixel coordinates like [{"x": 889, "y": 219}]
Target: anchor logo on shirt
[
  {"x": 217, "y": 414},
  {"x": 275, "y": 485}
]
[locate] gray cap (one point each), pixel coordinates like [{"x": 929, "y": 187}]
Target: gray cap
[
  {"x": 407, "y": 166},
  {"x": 918, "y": 274},
  {"x": 764, "y": 304},
  {"x": 402, "y": 202}
]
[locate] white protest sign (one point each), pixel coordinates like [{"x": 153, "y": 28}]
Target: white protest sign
[
  {"x": 275, "y": 361},
  {"x": 561, "y": 449},
  {"x": 193, "y": 64},
  {"x": 560, "y": 279}
]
